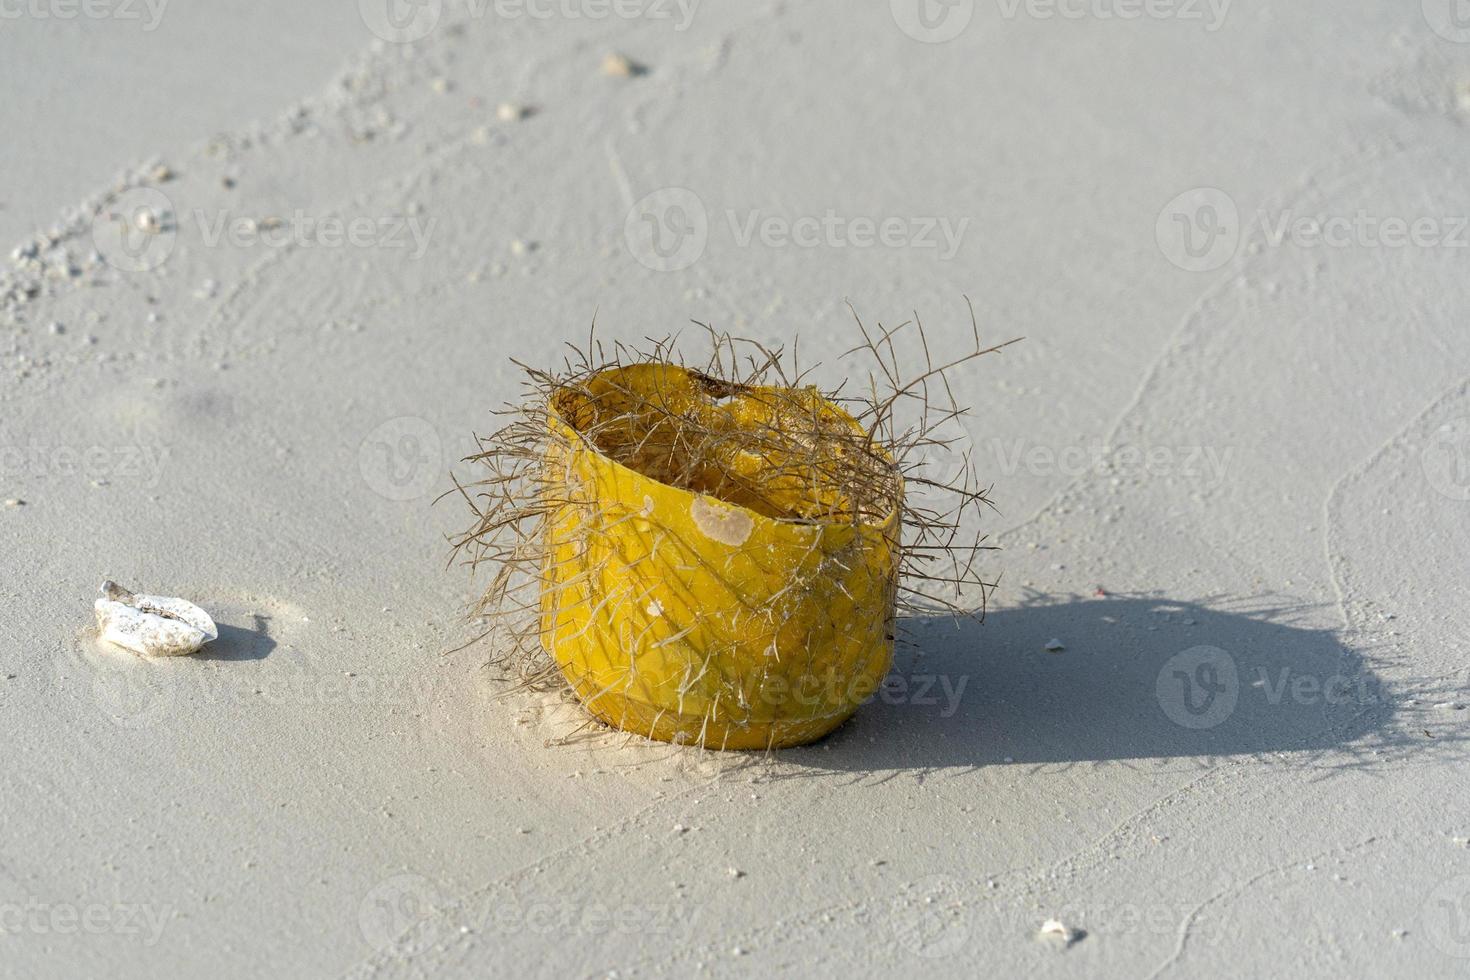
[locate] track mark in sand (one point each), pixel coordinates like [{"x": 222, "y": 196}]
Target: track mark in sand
[
  {"x": 619, "y": 172},
  {"x": 808, "y": 924},
  {"x": 1428, "y": 687},
  {"x": 1331, "y": 520},
  {"x": 1219, "y": 771},
  {"x": 234, "y": 306},
  {"x": 1186, "y": 925},
  {"x": 1198, "y": 318},
  {"x": 1430, "y": 83},
  {"x": 443, "y": 921}
]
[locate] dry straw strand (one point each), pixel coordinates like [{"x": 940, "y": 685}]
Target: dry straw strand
[{"x": 646, "y": 524}]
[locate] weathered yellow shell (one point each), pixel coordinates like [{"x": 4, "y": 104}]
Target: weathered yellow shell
[{"x": 738, "y": 613}]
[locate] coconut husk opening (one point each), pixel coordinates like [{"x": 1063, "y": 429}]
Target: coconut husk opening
[{"x": 785, "y": 453}]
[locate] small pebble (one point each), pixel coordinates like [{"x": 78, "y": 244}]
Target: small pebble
[
  {"x": 1051, "y": 929},
  {"x": 510, "y": 112},
  {"x": 1055, "y": 646},
  {"x": 522, "y": 247},
  {"x": 152, "y": 625},
  {"x": 616, "y": 65},
  {"x": 441, "y": 85},
  {"x": 57, "y": 328},
  {"x": 14, "y": 502},
  {"x": 735, "y": 873}
]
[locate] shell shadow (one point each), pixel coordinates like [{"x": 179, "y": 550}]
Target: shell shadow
[{"x": 238, "y": 643}]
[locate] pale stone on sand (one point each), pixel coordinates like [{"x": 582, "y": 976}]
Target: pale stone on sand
[{"x": 155, "y": 626}]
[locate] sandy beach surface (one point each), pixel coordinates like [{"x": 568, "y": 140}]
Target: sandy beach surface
[{"x": 1231, "y": 463}]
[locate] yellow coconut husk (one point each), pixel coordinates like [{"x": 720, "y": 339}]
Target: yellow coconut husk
[
  {"x": 723, "y": 556},
  {"x": 751, "y": 607}
]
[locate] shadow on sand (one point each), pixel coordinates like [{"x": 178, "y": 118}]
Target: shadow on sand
[
  {"x": 240, "y": 642},
  {"x": 1137, "y": 678}
]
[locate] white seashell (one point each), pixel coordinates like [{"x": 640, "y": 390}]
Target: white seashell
[
  {"x": 1054, "y": 930},
  {"x": 156, "y": 626}
]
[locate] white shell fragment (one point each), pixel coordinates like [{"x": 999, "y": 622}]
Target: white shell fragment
[
  {"x": 1059, "y": 932},
  {"x": 155, "y": 626},
  {"x": 721, "y": 522},
  {"x": 617, "y": 65}
]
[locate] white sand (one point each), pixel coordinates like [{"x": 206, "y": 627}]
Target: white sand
[
  {"x": 83, "y": 96},
  {"x": 327, "y": 791}
]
